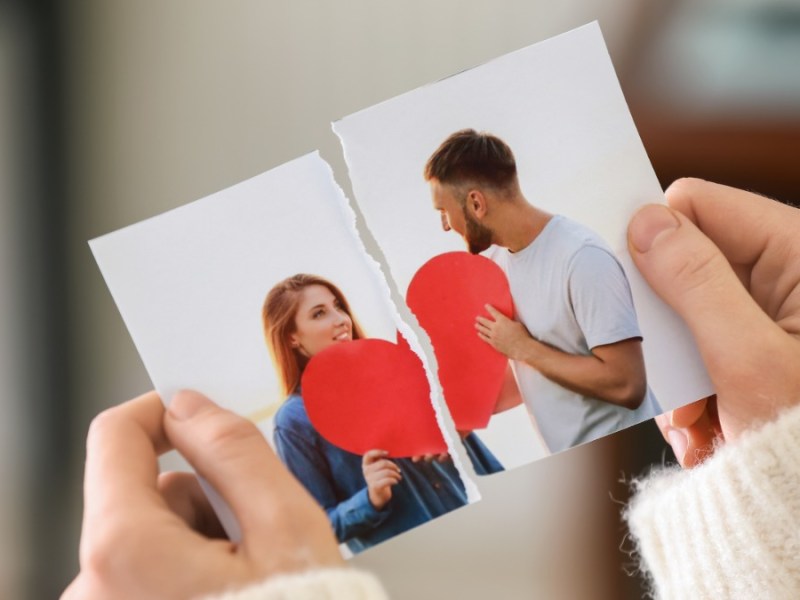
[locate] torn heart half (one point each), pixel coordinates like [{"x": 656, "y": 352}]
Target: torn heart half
[
  {"x": 372, "y": 394},
  {"x": 446, "y": 294}
]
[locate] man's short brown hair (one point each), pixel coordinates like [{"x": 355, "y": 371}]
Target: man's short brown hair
[{"x": 469, "y": 156}]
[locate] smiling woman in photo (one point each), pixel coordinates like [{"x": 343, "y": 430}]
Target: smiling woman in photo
[{"x": 368, "y": 498}]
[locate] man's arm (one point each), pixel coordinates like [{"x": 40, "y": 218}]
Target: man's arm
[{"x": 613, "y": 373}]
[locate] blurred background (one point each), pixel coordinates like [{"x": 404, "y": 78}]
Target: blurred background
[{"x": 111, "y": 112}]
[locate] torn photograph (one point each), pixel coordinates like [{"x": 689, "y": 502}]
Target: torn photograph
[
  {"x": 500, "y": 198},
  {"x": 262, "y": 297}
]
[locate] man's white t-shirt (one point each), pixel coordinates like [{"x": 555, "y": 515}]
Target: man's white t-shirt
[{"x": 571, "y": 292}]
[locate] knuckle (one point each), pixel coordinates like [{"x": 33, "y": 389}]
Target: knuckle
[
  {"x": 95, "y": 552},
  {"x": 229, "y": 431},
  {"x": 682, "y": 183},
  {"x": 695, "y": 266},
  {"x": 102, "y": 426},
  {"x": 105, "y": 548},
  {"x": 700, "y": 270},
  {"x": 679, "y": 193}
]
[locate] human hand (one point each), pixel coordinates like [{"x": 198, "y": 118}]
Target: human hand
[
  {"x": 151, "y": 536},
  {"x": 381, "y": 474},
  {"x": 429, "y": 458},
  {"x": 728, "y": 261},
  {"x": 505, "y": 335}
]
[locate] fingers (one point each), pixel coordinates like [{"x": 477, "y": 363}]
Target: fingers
[
  {"x": 741, "y": 224},
  {"x": 440, "y": 458},
  {"x": 284, "y": 529},
  {"x": 494, "y": 312},
  {"x": 372, "y": 456},
  {"x": 691, "y": 274},
  {"x": 185, "y": 497},
  {"x": 129, "y": 529},
  {"x": 122, "y": 450},
  {"x": 232, "y": 455},
  {"x": 379, "y": 472},
  {"x": 127, "y": 526},
  {"x": 375, "y": 461},
  {"x": 757, "y": 235},
  {"x": 388, "y": 480},
  {"x": 732, "y": 287},
  {"x": 383, "y": 465},
  {"x": 381, "y": 477},
  {"x": 692, "y": 431},
  {"x": 74, "y": 590},
  {"x": 687, "y": 415},
  {"x": 483, "y": 327},
  {"x": 701, "y": 438}
]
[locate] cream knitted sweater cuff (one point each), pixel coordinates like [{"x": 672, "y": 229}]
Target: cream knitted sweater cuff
[
  {"x": 323, "y": 584},
  {"x": 729, "y": 528}
]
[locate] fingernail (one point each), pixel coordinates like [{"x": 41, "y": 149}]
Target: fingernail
[
  {"x": 677, "y": 439},
  {"x": 185, "y": 404},
  {"x": 650, "y": 224}
]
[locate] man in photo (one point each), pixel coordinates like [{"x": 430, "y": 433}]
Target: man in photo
[{"x": 575, "y": 345}]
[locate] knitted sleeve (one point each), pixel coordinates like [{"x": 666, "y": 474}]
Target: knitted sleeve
[
  {"x": 323, "y": 584},
  {"x": 729, "y": 528}
]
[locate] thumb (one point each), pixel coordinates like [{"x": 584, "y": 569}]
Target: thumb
[
  {"x": 232, "y": 455},
  {"x": 734, "y": 336}
]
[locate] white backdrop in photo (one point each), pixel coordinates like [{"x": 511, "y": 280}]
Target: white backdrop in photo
[{"x": 190, "y": 283}]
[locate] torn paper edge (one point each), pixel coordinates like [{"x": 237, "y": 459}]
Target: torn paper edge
[{"x": 407, "y": 325}]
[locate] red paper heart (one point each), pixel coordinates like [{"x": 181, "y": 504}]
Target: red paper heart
[
  {"x": 372, "y": 394},
  {"x": 446, "y": 294}
]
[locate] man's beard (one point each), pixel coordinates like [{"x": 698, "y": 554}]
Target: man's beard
[{"x": 477, "y": 236}]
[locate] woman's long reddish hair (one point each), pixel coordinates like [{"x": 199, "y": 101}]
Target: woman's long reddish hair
[{"x": 278, "y": 317}]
